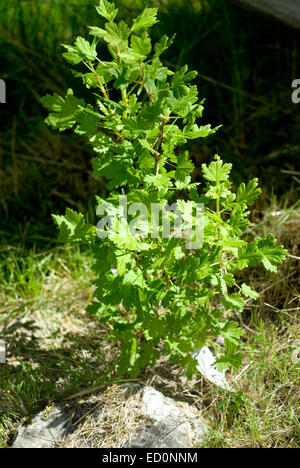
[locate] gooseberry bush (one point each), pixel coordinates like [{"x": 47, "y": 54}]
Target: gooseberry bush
[{"x": 158, "y": 294}]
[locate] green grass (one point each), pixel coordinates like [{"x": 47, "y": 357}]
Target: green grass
[
  {"x": 53, "y": 346},
  {"x": 266, "y": 411},
  {"x": 24, "y": 273}
]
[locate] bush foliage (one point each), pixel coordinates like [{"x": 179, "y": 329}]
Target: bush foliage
[{"x": 157, "y": 295}]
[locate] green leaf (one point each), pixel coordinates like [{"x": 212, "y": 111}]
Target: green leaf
[
  {"x": 229, "y": 279},
  {"x": 118, "y": 172},
  {"x": 249, "y": 256},
  {"x": 53, "y": 102},
  {"x": 216, "y": 171},
  {"x": 184, "y": 167},
  {"x": 141, "y": 45},
  {"x": 73, "y": 227},
  {"x": 218, "y": 191},
  {"x": 232, "y": 356},
  {"x": 88, "y": 79},
  {"x": 272, "y": 256},
  {"x": 129, "y": 57},
  {"x": 146, "y": 162},
  {"x": 87, "y": 120},
  {"x": 248, "y": 292},
  {"x": 163, "y": 44},
  {"x": 232, "y": 243},
  {"x": 159, "y": 181},
  {"x": 234, "y": 301},
  {"x": 72, "y": 56},
  {"x": 117, "y": 34},
  {"x": 107, "y": 10},
  {"x": 150, "y": 113},
  {"x": 238, "y": 223},
  {"x": 98, "y": 32},
  {"x": 247, "y": 194},
  {"x": 107, "y": 71},
  {"x": 231, "y": 331},
  {"x": 123, "y": 259},
  {"x": 146, "y": 19},
  {"x": 180, "y": 79},
  {"x": 183, "y": 105},
  {"x": 145, "y": 120},
  {"x": 156, "y": 71},
  {"x": 62, "y": 114},
  {"x": 200, "y": 132},
  {"x": 87, "y": 50},
  {"x": 184, "y": 184}
]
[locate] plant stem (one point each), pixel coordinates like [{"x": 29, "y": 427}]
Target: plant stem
[
  {"x": 104, "y": 92},
  {"x": 218, "y": 214},
  {"x": 158, "y": 143},
  {"x": 144, "y": 84},
  {"x": 124, "y": 99}
]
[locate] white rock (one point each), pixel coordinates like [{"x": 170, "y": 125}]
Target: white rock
[
  {"x": 47, "y": 429},
  {"x": 156, "y": 406},
  {"x": 175, "y": 424}
]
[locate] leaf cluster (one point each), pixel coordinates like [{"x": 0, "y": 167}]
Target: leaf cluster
[{"x": 157, "y": 296}]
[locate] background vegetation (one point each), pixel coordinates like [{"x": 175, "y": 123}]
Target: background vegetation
[{"x": 246, "y": 65}]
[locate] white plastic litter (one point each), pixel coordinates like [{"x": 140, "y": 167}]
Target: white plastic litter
[
  {"x": 206, "y": 367},
  {"x": 2, "y": 352}
]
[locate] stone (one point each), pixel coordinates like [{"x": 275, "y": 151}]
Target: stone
[
  {"x": 46, "y": 430},
  {"x": 155, "y": 421},
  {"x": 173, "y": 424}
]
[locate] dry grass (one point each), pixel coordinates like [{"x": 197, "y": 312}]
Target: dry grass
[
  {"x": 53, "y": 346},
  {"x": 107, "y": 420},
  {"x": 281, "y": 291}
]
